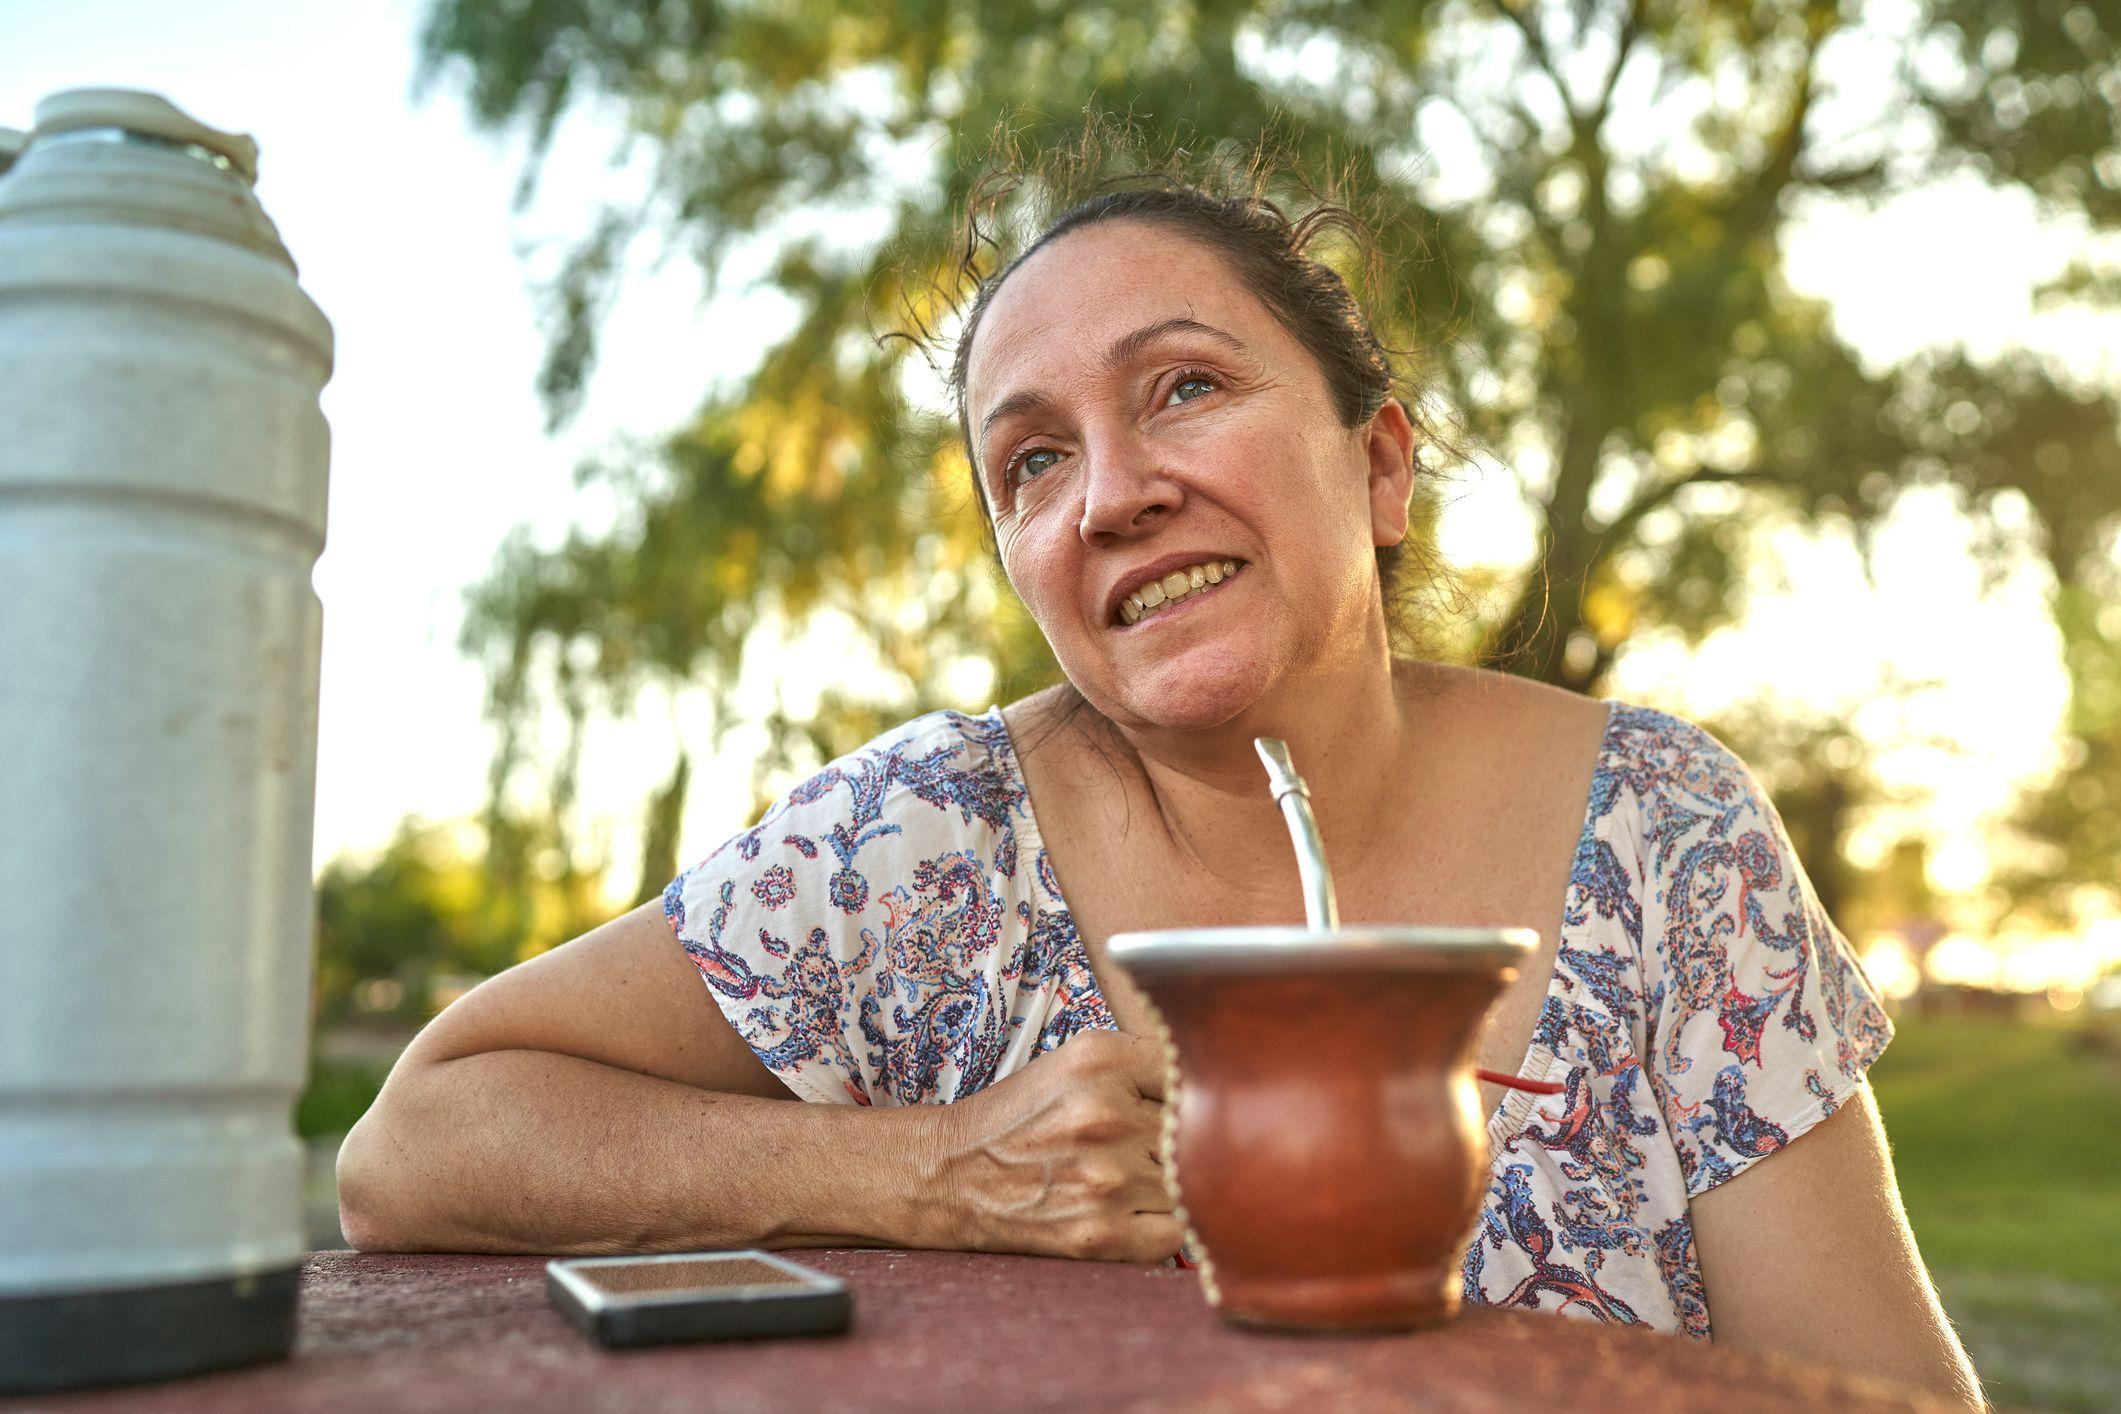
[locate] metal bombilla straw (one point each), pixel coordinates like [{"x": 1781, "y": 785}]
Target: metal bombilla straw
[{"x": 1321, "y": 914}]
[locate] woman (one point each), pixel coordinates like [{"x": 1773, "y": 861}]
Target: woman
[{"x": 1184, "y": 435}]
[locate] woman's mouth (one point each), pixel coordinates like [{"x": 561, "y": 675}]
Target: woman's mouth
[{"x": 1160, "y": 598}]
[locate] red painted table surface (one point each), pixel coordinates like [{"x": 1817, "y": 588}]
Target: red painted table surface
[{"x": 948, "y": 1330}]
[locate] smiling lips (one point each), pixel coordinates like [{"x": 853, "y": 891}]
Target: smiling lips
[{"x": 1171, "y": 588}]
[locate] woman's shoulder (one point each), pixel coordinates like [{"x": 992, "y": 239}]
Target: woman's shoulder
[
  {"x": 1676, "y": 767},
  {"x": 942, "y": 772},
  {"x": 1524, "y": 734},
  {"x": 944, "y": 758},
  {"x": 1525, "y": 721},
  {"x": 1658, "y": 781}
]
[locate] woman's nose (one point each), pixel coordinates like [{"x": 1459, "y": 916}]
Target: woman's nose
[{"x": 1125, "y": 487}]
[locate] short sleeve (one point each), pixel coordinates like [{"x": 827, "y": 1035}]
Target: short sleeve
[
  {"x": 1761, "y": 1021},
  {"x": 874, "y": 937}
]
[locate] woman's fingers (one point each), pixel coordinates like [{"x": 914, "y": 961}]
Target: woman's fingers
[
  {"x": 1153, "y": 1237},
  {"x": 1145, "y": 1066},
  {"x": 1149, "y": 1198}
]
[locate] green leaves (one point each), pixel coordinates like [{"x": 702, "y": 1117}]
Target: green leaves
[
  {"x": 2030, "y": 93},
  {"x": 1580, "y": 208}
]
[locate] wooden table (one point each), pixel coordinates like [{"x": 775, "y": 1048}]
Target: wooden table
[{"x": 949, "y": 1330}]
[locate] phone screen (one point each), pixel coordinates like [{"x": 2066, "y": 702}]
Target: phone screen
[{"x": 650, "y": 1278}]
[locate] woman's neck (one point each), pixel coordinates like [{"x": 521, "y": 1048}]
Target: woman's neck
[{"x": 1348, "y": 732}]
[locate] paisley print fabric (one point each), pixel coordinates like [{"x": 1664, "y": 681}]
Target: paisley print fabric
[{"x": 892, "y": 933}]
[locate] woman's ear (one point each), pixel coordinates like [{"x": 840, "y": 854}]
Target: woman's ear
[{"x": 1388, "y": 443}]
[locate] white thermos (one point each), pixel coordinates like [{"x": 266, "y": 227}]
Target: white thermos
[{"x": 162, "y": 477}]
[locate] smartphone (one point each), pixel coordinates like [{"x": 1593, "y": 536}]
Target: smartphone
[{"x": 682, "y": 1296}]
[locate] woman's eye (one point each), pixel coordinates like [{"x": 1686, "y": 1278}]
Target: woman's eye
[
  {"x": 1202, "y": 385},
  {"x": 1029, "y": 464}
]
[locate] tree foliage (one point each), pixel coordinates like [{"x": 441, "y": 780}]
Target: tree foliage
[
  {"x": 2074, "y": 824},
  {"x": 425, "y": 909},
  {"x": 1594, "y": 193}
]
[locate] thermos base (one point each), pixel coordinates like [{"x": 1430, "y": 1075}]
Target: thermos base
[{"x": 69, "y": 1339}]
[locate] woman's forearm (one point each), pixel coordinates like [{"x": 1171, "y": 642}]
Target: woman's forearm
[{"x": 533, "y": 1151}]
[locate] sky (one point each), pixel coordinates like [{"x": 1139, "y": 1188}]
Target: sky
[{"x": 400, "y": 218}]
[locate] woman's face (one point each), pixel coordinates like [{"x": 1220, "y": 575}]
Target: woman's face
[{"x": 1135, "y": 411}]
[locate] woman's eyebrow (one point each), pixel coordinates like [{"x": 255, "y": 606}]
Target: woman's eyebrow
[
  {"x": 1125, "y": 348},
  {"x": 1009, "y": 406}
]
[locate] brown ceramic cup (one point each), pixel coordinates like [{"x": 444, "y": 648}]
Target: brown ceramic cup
[{"x": 1323, "y": 1142}]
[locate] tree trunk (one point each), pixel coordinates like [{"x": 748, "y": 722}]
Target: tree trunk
[{"x": 1534, "y": 639}]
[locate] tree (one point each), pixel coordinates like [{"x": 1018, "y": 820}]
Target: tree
[
  {"x": 1820, "y": 773},
  {"x": 426, "y": 907},
  {"x": 1609, "y": 310},
  {"x": 2073, "y": 825}
]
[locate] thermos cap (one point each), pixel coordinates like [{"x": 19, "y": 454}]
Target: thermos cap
[{"x": 140, "y": 112}]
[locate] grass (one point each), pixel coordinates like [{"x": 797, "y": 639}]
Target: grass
[
  {"x": 339, "y": 1093},
  {"x": 2007, "y": 1140}
]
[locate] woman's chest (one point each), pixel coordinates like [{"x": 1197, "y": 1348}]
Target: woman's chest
[
  {"x": 1483, "y": 834},
  {"x": 1484, "y": 879}
]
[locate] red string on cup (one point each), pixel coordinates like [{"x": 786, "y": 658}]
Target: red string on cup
[{"x": 1514, "y": 1082}]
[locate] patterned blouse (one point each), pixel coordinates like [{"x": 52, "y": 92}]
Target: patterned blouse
[{"x": 891, "y": 933}]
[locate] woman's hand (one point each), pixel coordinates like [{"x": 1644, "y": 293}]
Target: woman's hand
[{"x": 1060, "y": 1158}]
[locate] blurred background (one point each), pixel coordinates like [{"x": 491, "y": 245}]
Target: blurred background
[{"x": 1790, "y": 331}]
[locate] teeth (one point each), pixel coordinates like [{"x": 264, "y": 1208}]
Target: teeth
[{"x": 1173, "y": 587}]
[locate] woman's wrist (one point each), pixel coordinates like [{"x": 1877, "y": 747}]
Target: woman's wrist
[
  {"x": 909, "y": 1196},
  {"x": 872, "y": 1179}
]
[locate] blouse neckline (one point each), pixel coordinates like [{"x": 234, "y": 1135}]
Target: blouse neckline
[{"x": 1516, "y": 1106}]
